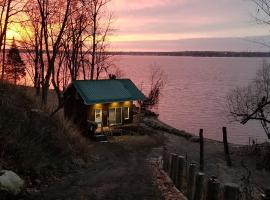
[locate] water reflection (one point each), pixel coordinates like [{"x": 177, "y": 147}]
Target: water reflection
[{"x": 195, "y": 92}]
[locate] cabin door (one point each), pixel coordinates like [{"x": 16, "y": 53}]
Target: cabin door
[{"x": 98, "y": 117}]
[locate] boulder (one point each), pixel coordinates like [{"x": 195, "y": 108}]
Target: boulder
[{"x": 11, "y": 182}]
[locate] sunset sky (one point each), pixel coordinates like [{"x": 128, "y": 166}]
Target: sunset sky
[{"x": 172, "y": 25}]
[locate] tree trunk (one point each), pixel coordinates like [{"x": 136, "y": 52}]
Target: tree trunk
[
  {"x": 37, "y": 73},
  {"x": 44, "y": 94},
  {"x": 94, "y": 47},
  {"x": 4, "y": 59},
  {"x": 3, "y": 34}
]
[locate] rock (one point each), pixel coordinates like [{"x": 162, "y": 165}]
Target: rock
[{"x": 11, "y": 182}]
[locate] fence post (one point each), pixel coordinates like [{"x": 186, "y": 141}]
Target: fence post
[
  {"x": 165, "y": 159},
  {"x": 179, "y": 172},
  {"x": 186, "y": 165},
  {"x": 191, "y": 180},
  {"x": 201, "y": 151},
  {"x": 169, "y": 164},
  {"x": 173, "y": 166},
  {"x": 213, "y": 189},
  {"x": 199, "y": 186},
  {"x": 226, "y": 147},
  {"x": 231, "y": 192}
]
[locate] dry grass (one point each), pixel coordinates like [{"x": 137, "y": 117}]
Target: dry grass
[
  {"x": 73, "y": 135},
  {"x": 52, "y": 99},
  {"x": 34, "y": 144},
  {"x": 67, "y": 129},
  {"x": 138, "y": 141}
]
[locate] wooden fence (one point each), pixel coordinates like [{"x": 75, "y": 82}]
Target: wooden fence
[{"x": 191, "y": 181}]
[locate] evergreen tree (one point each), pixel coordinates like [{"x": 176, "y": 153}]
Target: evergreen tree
[{"x": 15, "y": 67}]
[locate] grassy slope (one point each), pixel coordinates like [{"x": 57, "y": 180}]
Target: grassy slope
[{"x": 33, "y": 144}]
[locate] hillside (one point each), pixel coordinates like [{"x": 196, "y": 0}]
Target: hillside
[
  {"x": 56, "y": 162},
  {"x": 34, "y": 145}
]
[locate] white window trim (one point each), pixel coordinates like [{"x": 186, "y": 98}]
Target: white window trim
[
  {"x": 100, "y": 110},
  {"x": 128, "y": 112}
]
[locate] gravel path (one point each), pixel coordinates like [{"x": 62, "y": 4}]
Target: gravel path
[
  {"x": 118, "y": 172},
  {"x": 121, "y": 168}
]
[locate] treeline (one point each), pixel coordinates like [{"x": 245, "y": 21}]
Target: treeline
[
  {"x": 196, "y": 54},
  {"x": 63, "y": 40}
]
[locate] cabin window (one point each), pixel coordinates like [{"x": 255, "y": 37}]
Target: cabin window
[
  {"x": 98, "y": 116},
  {"x": 112, "y": 116},
  {"x": 115, "y": 116},
  {"x": 126, "y": 112}
]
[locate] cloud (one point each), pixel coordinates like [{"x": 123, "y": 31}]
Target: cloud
[
  {"x": 180, "y": 19},
  {"x": 122, "y": 5},
  {"x": 197, "y": 44}
]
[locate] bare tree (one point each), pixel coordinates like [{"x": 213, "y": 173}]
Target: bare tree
[
  {"x": 57, "y": 37},
  {"x": 263, "y": 11},
  {"x": 74, "y": 39},
  {"x": 98, "y": 31},
  {"x": 253, "y": 101},
  {"x": 30, "y": 38},
  {"x": 157, "y": 83},
  {"x": 54, "y": 17}
]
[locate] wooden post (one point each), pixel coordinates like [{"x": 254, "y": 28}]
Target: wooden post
[
  {"x": 201, "y": 151},
  {"x": 173, "y": 166},
  {"x": 165, "y": 159},
  {"x": 179, "y": 172},
  {"x": 191, "y": 180},
  {"x": 199, "y": 186},
  {"x": 186, "y": 165},
  {"x": 170, "y": 164},
  {"x": 226, "y": 147},
  {"x": 213, "y": 189},
  {"x": 231, "y": 192}
]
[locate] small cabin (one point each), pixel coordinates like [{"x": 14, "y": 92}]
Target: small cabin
[{"x": 106, "y": 102}]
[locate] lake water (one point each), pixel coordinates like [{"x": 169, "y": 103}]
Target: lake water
[{"x": 195, "y": 92}]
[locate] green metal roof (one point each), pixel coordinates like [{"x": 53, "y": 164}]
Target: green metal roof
[{"x": 107, "y": 91}]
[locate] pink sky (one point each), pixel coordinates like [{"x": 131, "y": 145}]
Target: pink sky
[{"x": 158, "y": 21}]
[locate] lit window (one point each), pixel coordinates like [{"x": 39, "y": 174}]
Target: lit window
[
  {"x": 126, "y": 112},
  {"x": 112, "y": 116},
  {"x": 115, "y": 116}
]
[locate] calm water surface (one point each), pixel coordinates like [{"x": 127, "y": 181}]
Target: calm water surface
[{"x": 195, "y": 92}]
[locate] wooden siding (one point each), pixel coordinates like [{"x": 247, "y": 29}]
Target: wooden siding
[
  {"x": 79, "y": 113},
  {"x": 74, "y": 108}
]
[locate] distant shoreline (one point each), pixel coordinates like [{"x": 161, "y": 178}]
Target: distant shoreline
[
  {"x": 195, "y": 54},
  {"x": 183, "y": 53}
]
